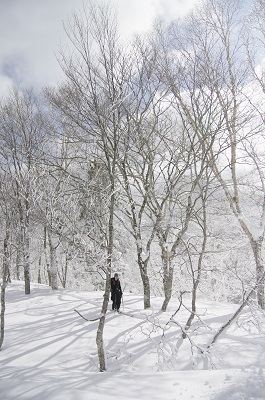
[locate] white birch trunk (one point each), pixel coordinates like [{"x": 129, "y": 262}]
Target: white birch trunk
[
  {"x": 168, "y": 272},
  {"x": 53, "y": 244},
  {"x": 101, "y": 325}
]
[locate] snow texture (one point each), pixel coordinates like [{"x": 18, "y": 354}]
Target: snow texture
[{"x": 50, "y": 353}]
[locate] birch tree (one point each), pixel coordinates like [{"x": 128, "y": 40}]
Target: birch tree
[
  {"x": 22, "y": 133},
  {"x": 211, "y": 84},
  {"x": 5, "y": 276},
  {"x": 6, "y": 215},
  {"x": 143, "y": 110},
  {"x": 175, "y": 205},
  {"x": 90, "y": 100}
]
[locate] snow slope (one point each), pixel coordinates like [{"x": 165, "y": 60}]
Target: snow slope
[{"x": 49, "y": 351}]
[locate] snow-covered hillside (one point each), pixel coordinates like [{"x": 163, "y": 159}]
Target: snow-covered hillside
[{"x": 49, "y": 351}]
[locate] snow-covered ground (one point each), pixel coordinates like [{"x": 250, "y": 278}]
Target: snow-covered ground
[{"x": 50, "y": 352}]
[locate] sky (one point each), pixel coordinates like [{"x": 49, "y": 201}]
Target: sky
[
  {"x": 49, "y": 351},
  {"x": 31, "y": 32}
]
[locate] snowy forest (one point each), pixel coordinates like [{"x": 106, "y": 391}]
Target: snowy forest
[{"x": 147, "y": 159}]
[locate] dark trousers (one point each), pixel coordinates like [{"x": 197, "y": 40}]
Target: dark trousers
[{"x": 116, "y": 301}]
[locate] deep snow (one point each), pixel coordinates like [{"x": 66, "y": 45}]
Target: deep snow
[{"x": 49, "y": 351}]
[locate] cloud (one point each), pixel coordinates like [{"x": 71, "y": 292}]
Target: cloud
[
  {"x": 139, "y": 15},
  {"x": 5, "y": 84},
  {"x": 135, "y": 16},
  {"x": 32, "y": 30},
  {"x": 172, "y": 9}
]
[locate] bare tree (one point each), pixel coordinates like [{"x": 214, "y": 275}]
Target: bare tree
[
  {"x": 175, "y": 209},
  {"x": 8, "y": 222},
  {"x": 148, "y": 167},
  {"x": 196, "y": 272},
  {"x": 210, "y": 82},
  {"x": 142, "y": 110},
  {"x": 90, "y": 101},
  {"x": 5, "y": 278},
  {"x": 22, "y": 131}
]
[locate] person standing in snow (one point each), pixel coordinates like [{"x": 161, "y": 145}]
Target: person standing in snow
[{"x": 116, "y": 292}]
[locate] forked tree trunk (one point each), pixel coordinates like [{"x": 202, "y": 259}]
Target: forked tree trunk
[
  {"x": 63, "y": 275},
  {"x": 168, "y": 272},
  {"x": 196, "y": 274},
  {"x": 145, "y": 279},
  {"x": 168, "y": 255},
  {"x": 135, "y": 219}
]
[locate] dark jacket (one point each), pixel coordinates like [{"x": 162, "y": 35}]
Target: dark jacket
[{"x": 115, "y": 288}]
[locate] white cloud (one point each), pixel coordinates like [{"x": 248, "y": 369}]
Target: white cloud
[
  {"x": 136, "y": 15},
  {"x": 32, "y": 30},
  {"x": 171, "y": 9},
  {"x": 5, "y": 84}
]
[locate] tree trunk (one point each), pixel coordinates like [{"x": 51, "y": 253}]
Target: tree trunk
[
  {"x": 193, "y": 302},
  {"x": 53, "y": 261},
  {"x": 3, "y": 308},
  {"x": 39, "y": 271},
  {"x": 64, "y": 270},
  {"x": 196, "y": 276},
  {"x": 145, "y": 280},
  {"x": 237, "y": 313},
  {"x": 23, "y": 207},
  {"x": 6, "y": 262},
  {"x": 18, "y": 260},
  {"x": 101, "y": 325},
  {"x": 257, "y": 249},
  {"x": 135, "y": 219},
  {"x": 104, "y": 309},
  {"x": 26, "y": 264},
  {"x": 46, "y": 255},
  {"x": 168, "y": 271}
]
